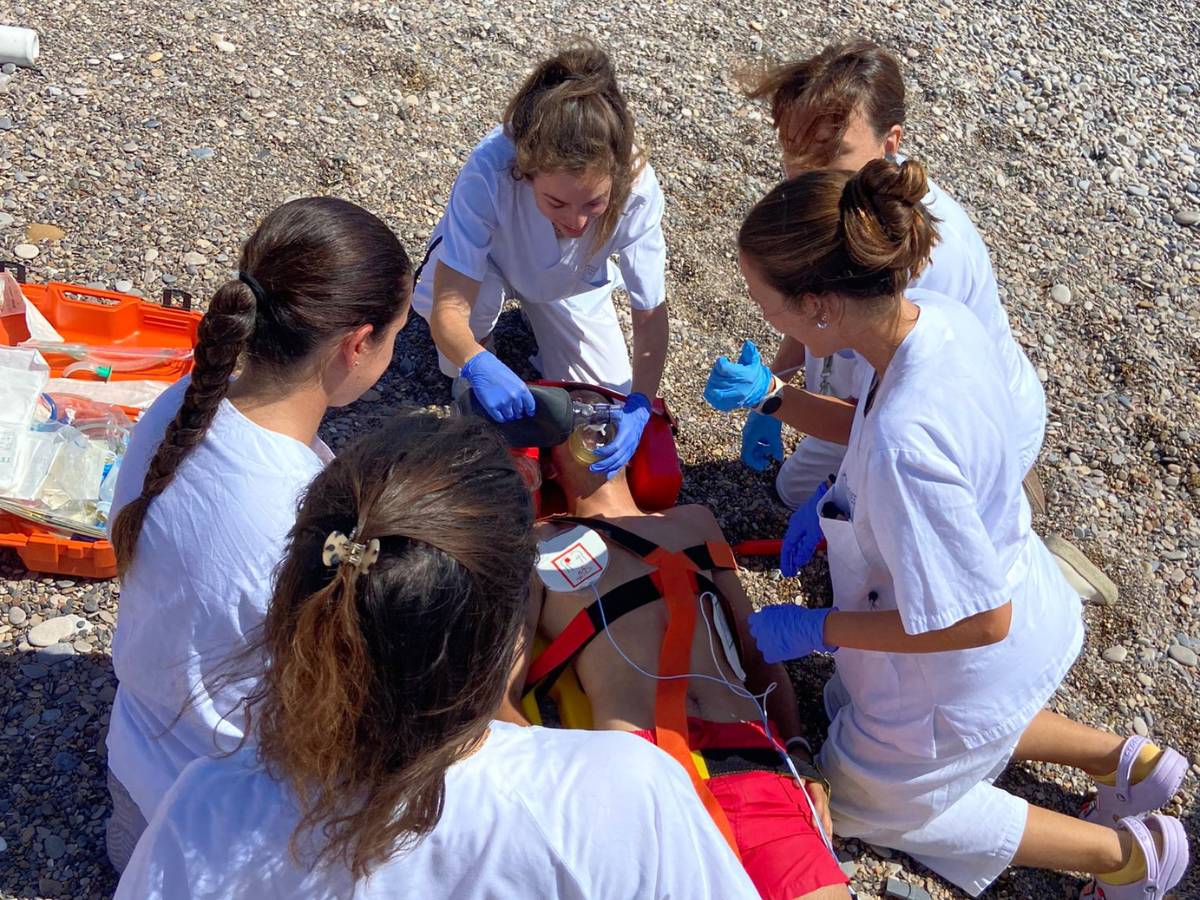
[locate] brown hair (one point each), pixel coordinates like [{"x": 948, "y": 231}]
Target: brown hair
[
  {"x": 325, "y": 266},
  {"x": 861, "y": 235},
  {"x": 812, "y": 100},
  {"x": 570, "y": 115},
  {"x": 376, "y": 684}
]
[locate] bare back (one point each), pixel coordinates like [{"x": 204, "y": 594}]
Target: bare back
[{"x": 620, "y": 696}]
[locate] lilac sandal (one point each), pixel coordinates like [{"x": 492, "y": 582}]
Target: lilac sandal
[
  {"x": 1164, "y": 869},
  {"x": 1154, "y": 791}
]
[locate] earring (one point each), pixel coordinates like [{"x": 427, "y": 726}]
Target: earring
[
  {"x": 356, "y": 362},
  {"x": 823, "y": 324}
]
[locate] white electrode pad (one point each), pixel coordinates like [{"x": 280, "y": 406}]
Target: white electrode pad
[
  {"x": 725, "y": 633},
  {"x": 572, "y": 560}
]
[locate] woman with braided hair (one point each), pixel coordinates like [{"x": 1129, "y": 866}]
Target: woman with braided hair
[
  {"x": 209, "y": 486},
  {"x": 380, "y": 768}
]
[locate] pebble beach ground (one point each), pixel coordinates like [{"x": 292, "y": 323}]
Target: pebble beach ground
[{"x": 155, "y": 135}]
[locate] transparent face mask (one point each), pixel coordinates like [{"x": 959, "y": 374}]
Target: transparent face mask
[{"x": 588, "y": 438}]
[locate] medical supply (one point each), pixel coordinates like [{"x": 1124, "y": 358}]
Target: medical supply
[
  {"x": 23, "y": 375},
  {"x": 573, "y": 560},
  {"x": 554, "y": 418},
  {"x": 587, "y": 439},
  {"x": 499, "y": 390},
  {"x": 616, "y": 450},
  {"x": 19, "y": 46},
  {"x": 103, "y": 360},
  {"x": 130, "y": 395}
]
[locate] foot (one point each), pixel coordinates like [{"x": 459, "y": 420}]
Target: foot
[
  {"x": 1089, "y": 582},
  {"x": 1166, "y": 860},
  {"x": 1127, "y": 799}
]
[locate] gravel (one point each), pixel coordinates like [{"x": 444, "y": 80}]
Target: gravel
[{"x": 155, "y": 136}]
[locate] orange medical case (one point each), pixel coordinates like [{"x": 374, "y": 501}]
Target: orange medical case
[{"x": 88, "y": 316}]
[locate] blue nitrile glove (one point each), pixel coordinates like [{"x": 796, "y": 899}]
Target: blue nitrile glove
[
  {"x": 498, "y": 388},
  {"x": 785, "y": 631},
  {"x": 738, "y": 384},
  {"x": 631, "y": 421},
  {"x": 803, "y": 534},
  {"x": 762, "y": 440}
]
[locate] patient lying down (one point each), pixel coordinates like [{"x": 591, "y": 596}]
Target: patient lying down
[{"x": 744, "y": 778}]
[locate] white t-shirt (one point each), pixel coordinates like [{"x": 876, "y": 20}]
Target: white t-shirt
[
  {"x": 492, "y": 223},
  {"x": 932, "y": 484},
  {"x": 534, "y": 813},
  {"x": 961, "y": 269},
  {"x": 200, "y": 581}
]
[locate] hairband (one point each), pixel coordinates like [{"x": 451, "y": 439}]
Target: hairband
[
  {"x": 255, "y": 288},
  {"x": 340, "y": 550}
]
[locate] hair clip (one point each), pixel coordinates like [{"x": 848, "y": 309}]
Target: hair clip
[{"x": 340, "y": 550}]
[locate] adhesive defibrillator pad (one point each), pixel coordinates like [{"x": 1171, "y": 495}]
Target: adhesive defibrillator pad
[{"x": 572, "y": 560}]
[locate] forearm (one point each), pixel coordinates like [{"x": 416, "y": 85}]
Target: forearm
[
  {"x": 827, "y": 418},
  {"x": 883, "y": 631},
  {"x": 651, "y": 333},
  {"x": 789, "y": 356},
  {"x": 450, "y": 319}
]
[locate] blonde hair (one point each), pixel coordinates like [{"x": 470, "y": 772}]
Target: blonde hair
[{"x": 570, "y": 115}]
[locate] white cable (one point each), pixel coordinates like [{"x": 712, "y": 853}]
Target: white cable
[{"x": 759, "y": 700}]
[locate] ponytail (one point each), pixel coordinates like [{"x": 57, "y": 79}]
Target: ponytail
[
  {"x": 380, "y": 677},
  {"x": 224, "y": 334},
  {"x": 314, "y": 269},
  {"x": 570, "y": 115}
]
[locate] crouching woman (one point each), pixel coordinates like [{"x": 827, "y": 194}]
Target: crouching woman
[{"x": 380, "y": 769}]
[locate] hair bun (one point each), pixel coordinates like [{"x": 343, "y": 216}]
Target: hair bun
[{"x": 884, "y": 219}]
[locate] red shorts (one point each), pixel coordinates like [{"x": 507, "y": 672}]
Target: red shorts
[{"x": 780, "y": 847}]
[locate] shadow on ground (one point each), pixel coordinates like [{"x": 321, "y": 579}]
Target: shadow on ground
[{"x": 54, "y": 765}]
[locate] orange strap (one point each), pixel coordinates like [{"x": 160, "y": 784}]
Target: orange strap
[
  {"x": 722, "y": 555},
  {"x": 677, "y": 573}
]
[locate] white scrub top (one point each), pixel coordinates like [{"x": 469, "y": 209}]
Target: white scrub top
[
  {"x": 959, "y": 269},
  {"x": 940, "y": 530},
  {"x": 492, "y": 225},
  {"x": 535, "y": 812},
  {"x": 200, "y": 582}
]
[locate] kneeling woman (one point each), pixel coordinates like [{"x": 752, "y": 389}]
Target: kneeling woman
[
  {"x": 380, "y": 769},
  {"x": 953, "y": 626},
  {"x": 542, "y": 203}
]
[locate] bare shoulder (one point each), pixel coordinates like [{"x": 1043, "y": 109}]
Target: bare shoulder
[
  {"x": 548, "y": 528},
  {"x": 697, "y": 520}
]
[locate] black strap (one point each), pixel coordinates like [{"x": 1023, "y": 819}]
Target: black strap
[
  {"x": 625, "y": 597},
  {"x": 643, "y": 547},
  {"x": 428, "y": 253},
  {"x": 620, "y": 601},
  {"x": 624, "y": 538}
]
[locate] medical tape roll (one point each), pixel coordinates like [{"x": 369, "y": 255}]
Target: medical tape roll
[{"x": 19, "y": 46}]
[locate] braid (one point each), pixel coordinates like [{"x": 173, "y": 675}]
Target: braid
[{"x": 224, "y": 333}]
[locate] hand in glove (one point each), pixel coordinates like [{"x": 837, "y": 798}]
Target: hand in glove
[
  {"x": 498, "y": 388},
  {"x": 762, "y": 441},
  {"x": 631, "y": 422},
  {"x": 786, "y": 631},
  {"x": 803, "y": 534},
  {"x": 741, "y": 384}
]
